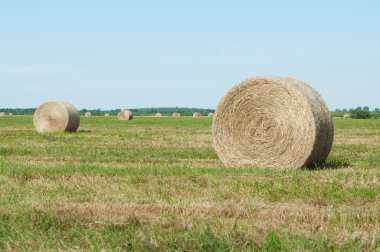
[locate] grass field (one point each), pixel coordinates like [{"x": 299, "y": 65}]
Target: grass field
[{"x": 157, "y": 184}]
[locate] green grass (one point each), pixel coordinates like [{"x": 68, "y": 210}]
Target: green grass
[{"x": 157, "y": 184}]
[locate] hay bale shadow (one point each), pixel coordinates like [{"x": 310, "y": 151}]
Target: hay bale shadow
[
  {"x": 332, "y": 163},
  {"x": 84, "y": 131}
]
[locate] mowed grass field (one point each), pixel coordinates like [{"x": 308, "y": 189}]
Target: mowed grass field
[{"x": 157, "y": 184}]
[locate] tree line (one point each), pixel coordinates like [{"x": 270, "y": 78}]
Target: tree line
[
  {"x": 358, "y": 113},
  {"x": 365, "y": 108},
  {"x": 138, "y": 111}
]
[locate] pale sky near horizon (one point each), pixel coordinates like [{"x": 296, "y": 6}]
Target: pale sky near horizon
[{"x": 133, "y": 54}]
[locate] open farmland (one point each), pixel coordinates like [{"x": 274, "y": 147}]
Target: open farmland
[{"x": 157, "y": 184}]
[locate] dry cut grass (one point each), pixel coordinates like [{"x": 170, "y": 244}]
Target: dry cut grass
[{"x": 157, "y": 184}]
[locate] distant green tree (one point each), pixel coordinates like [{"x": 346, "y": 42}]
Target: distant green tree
[
  {"x": 345, "y": 110},
  {"x": 360, "y": 114},
  {"x": 338, "y": 110},
  {"x": 359, "y": 108},
  {"x": 366, "y": 108},
  {"x": 377, "y": 110}
]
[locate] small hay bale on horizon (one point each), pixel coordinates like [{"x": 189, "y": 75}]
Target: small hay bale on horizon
[
  {"x": 197, "y": 115},
  {"x": 272, "y": 122},
  {"x": 125, "y": 115},
  {"x": 56, "y": 116},
  {"x": 106, "y": 115},
  {"x": 158, "y": 115},
  {"x": 87, "y": 114},
  {"x": 175, "y": 114},
  {"x": 2, "y": 114},
  {"x": 10, "y": 114},
  {"x": 346, "y": 116},
  {"x": 211, "y": 115}
]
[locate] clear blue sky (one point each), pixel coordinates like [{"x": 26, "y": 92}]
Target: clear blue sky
[{"x": 131, "y": 54}]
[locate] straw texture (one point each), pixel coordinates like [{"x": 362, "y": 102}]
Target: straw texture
[
  {"x": 272, "y": 122},
  {"x": 125, "y": 115},
  {"x": 56, "y": 116}
]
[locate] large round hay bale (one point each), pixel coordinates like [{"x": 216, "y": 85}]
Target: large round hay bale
[
  {"x": 2, "y": 114},
  {"x": 197, "y": 115},
  {"x": 211, "y": 115},
  {"x": 56, "y": 116},
  {"x": 272, "y": 122},
  {"x": 347, "y": 116},
  {"x": 158, "y": 115},
  {"x": 87, "y": 114},
  {"x": 125, "y": 115},
  {"x": 106, "y": 115},
  {"x": 175, "y": 114}
]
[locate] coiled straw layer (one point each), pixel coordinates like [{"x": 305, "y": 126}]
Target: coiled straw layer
[
  {"x": 56, "y": 116},
  {"x": 272, "y": 122}
]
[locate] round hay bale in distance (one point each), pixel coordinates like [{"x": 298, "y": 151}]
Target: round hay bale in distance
[
  {"x": 175, "y": 114},
  {"x": 2, "y": 114},
  {"x": 87, "y": 114},
  {"x": 197, "y": 115},
  {"x": 211, "y": 115},
  {"x": 272, "y": 122},
  {"x": 106, "y": 115},
  {"x": 347, "y": 116},
  {"x": 158, "y": 115},
  {"x": 56, "y": 116},
  {"x": 10, "y": 114},
  {"x": 125, "y": 115}
]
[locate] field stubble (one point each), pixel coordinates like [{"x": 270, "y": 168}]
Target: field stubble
[{"x": 156, "y": 183}]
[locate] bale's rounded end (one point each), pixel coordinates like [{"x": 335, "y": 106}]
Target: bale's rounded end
[
  {"x": 272, "y": 122},
  {"x": 56, "y": 116},
  {"x": 125, "y": 115}
]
